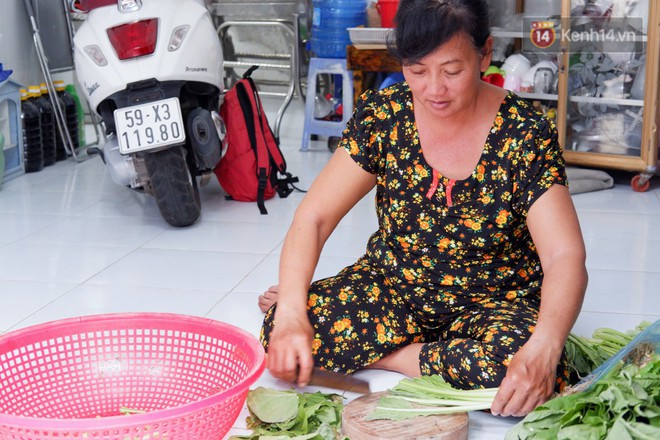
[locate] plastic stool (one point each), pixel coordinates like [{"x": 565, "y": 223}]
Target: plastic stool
[{"x": 334, "y": 66}]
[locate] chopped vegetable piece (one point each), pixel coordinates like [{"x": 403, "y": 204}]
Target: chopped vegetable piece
[{"x": 128, "y": 411}]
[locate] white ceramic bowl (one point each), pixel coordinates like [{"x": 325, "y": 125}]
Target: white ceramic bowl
[{"x": 516, "y": 64}]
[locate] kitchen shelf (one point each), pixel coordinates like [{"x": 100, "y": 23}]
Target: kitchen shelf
[
  {"x": 538, "y": 96},
  {"x": 606, "y": 101}
]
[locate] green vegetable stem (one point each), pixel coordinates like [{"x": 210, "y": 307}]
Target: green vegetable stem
[
  {"x": 429, "y": 395},
  {"x": 587, "y": 354}
]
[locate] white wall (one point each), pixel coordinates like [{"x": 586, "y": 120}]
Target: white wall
[{"x": 17, "y": 51}]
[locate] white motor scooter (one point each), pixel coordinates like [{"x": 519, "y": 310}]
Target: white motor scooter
[{"x": 152, "y": 69}]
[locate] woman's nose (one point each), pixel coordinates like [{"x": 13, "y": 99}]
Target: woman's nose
[{"x": 436, "y": 85}]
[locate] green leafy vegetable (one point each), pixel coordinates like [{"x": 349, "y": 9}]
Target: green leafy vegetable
[
  {"x": 623, "y": 405},
  {"x": 273, "y": 406},
  {"x": 587, "y": 354},
  {"x": 286, "y": 414},
  {"x": 429, "y": 395}
]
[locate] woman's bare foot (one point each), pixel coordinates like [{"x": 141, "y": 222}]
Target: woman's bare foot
[{"x": 268, "y": 298}]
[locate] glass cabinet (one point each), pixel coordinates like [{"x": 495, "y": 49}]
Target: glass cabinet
[{"x": 592, "y": 65}]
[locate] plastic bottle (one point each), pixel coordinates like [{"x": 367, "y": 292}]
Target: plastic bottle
[
  {"x": 48, "y": 129},
  {"x": 330, "y": 22},
  {"x": 70, "y": 112},
  {"x": 71, "y": 90},
  {"x": 33, "y": 154}
]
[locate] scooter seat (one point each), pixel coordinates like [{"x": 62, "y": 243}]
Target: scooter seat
[{"x": 88, "y": 5}]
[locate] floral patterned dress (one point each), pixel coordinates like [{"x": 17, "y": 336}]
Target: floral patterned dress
[{"x": 452, "y": 263}]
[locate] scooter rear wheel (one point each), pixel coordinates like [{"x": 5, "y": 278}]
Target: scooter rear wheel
[{"x": 173, "y": 187}]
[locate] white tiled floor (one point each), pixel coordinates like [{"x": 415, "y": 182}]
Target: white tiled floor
[{"x": 73, "y": 243}]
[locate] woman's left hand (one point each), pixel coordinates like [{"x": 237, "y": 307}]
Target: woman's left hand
[
  {"x": 529, "y": 381},
  {"x": 530, "y": 377}
]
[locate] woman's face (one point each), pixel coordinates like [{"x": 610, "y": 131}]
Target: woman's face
[{"x": 446, "y": 81}]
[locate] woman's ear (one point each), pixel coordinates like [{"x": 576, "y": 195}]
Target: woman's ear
[{"x": 486, "y": 54}]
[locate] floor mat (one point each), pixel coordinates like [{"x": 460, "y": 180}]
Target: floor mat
[{"x": 582, "y": 180}]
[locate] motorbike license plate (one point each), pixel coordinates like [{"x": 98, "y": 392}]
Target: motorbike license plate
[{"x": 147, "y": 126}]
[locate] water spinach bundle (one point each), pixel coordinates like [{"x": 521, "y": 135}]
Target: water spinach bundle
[
  {"x": 624, "y": 405},
  {"x": 586, "y": 354}
]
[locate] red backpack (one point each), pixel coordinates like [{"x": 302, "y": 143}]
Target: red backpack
[{"x": 253, "y": 169}]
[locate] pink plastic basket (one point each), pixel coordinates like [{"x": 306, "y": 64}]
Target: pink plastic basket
[{"x": 69, "y": 379}]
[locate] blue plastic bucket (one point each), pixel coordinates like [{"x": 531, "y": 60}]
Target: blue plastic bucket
[{"x": 330, "y": 22}]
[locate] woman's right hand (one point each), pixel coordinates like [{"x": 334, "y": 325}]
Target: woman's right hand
[
  {"x": 290, "y": 348},
  {"x": 325, "y": 204}
]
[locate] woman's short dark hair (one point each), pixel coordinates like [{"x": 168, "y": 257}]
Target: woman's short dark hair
[{"x": 424, "y": 25}]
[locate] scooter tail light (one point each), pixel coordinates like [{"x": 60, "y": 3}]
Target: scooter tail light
[
  {"x": 95, "y": 53},
  {"x": 177, "y": 37},
  {"x": 132, "y": 40}
]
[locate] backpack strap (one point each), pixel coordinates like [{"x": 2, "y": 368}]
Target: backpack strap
[
  {"x": 246, "y": 92},
  {"x": 283, "y": 186},
  {"x": 248, "y": 73}
]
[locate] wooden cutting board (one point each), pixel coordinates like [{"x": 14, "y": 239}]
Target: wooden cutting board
[{"x": 440, "y": 427}]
